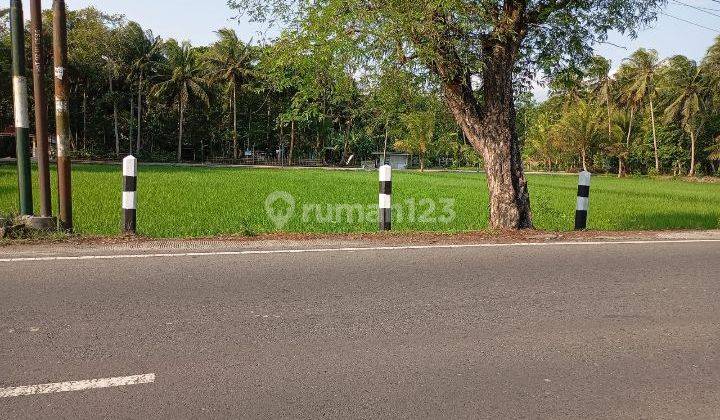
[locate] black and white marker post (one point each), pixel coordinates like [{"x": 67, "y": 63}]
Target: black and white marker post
[
  {"x": 385, "y": 194},
  {"x": 583, "y": 201},
  {"x": 129, "y": 199}
]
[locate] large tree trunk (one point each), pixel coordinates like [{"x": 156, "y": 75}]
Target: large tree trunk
[
  {"x": 655, "y": 145},
  {"x": 509, "y": 196},
  {"x": 583, "y": 156},
  {"x": 492, "y": 132}
]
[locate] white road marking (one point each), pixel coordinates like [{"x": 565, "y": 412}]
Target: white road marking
[
  {"x": 351, "y": 249},
  {"x": 76, "y": 385}
]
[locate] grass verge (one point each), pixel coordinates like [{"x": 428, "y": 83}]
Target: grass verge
[{"x": 197, "y": 201}]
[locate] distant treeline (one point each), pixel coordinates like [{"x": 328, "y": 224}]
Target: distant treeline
[
  {"x": 163, "y": 100},
  {"x": 652, "y": 115}
]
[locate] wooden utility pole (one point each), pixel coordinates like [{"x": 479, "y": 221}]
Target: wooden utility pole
[
  {"x": 62, "y": 113},
  {"x": 41, "y": 125}
]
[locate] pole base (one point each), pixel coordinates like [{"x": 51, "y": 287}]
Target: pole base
[{"x": 45, "y": 224}]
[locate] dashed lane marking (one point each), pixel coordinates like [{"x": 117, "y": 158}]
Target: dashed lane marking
[{"x": 18, "y": 391}]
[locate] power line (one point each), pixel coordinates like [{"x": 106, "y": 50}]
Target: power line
[
  {"x": 696, "y": 8},
  {"x": 709, "y": 8},
  {"x": 691, "y": 23}
]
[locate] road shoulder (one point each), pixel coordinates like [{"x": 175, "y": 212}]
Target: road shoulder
[{"x": 139, "y": 245}]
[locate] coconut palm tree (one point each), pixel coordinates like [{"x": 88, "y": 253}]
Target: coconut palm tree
[
  {"x": 714, "y": 153},
  {"x": 687, "y": 98},
  {"x": 627, "y": 104},
  {"x": 617, "y": 146},
  {"x": 542, "y": 139},
  {"x": 568, "y": 85},
  {"x": 182, "y": 81},
  {"x": 711, "y": 64},
  {"x": 112, "y": 68},
  {"x": 231, "y": 62},
  {"x": 580, "y": 127},
  {"x": 143, "y": 55},
  {"x": 640, "y": 71},
  {"x": 421, "y": 134},
  {"x": 601, "y": 84}
]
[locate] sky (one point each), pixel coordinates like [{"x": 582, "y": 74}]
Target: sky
[{"x": 196, "y": 21}]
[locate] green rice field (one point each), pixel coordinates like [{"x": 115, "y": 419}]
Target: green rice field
[{"x": 183, "y": 201}]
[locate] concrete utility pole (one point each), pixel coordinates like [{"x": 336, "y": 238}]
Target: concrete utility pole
[
  {"x": 62, "y": 113},
  {"x": 22, "y": 121},
  {"x": 41, "y": 126}
]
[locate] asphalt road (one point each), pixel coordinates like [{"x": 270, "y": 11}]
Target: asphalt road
[{"x": 575, "y": 331}]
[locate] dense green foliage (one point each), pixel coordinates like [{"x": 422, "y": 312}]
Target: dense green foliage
[
  {"x": 321, "y": 102},
  {"x": 228, "y": 99},
  {"x": 195, "y": 201},
  {"x": 478, "y": 54},
  {"x": 651, "y": 116}
]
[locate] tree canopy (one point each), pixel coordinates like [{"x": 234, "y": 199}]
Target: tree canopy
[
  {"x": 332, "y": 85},
  {"x": 479, "y": 53}
]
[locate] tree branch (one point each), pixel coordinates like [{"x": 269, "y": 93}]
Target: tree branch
[{"x": 543, "y": 10}]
